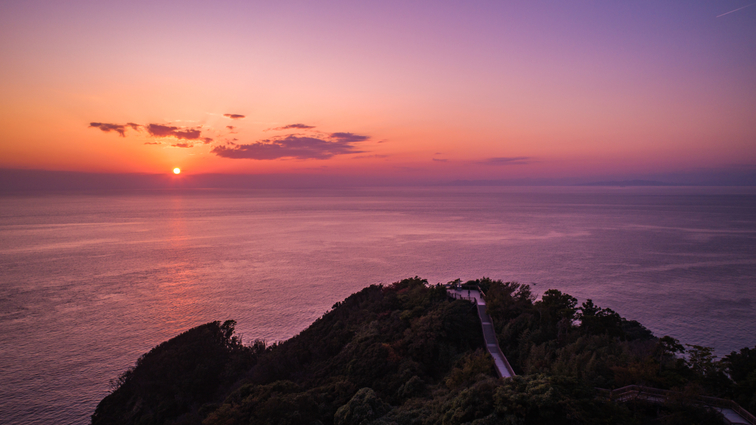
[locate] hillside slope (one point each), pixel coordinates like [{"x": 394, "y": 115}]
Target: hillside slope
[{"x": 407, "y": 354}]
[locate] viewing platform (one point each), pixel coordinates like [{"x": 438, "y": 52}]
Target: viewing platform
[{"x": 489, "y": 334}]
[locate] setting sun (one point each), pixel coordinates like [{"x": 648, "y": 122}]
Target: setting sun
[{"x": 176, "y": 170}]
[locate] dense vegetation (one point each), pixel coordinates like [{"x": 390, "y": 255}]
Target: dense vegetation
[
  {"x": 407, "y": 354},
  {"x": 178, "y": 376}
]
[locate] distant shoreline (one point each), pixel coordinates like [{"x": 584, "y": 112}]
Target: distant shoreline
[{"x": 21, "y": 180}]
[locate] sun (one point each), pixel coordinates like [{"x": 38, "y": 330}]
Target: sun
[{"x": 176, "y": 170}]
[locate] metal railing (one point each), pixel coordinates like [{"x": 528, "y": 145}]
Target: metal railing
[
  {"x": 461, "y": 297},
  {"x": 635, "y": 392},
  {"x": 490, "y": 340},
  {"x": 493, "y": 341}
]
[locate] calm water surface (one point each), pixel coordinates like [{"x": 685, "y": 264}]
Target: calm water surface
[{"x": 90, "y": 282}]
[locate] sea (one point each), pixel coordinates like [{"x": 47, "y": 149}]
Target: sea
[{"x": 90, "y": 281}]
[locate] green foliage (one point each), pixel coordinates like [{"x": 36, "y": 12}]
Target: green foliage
[
  {"x": 406, "y": 353},
  {"x": 543, "y": 399},
  {"x": 283, "y": 401},
  {"x": 599, "y": 321},
  {"x": 177, "y": 376},
  {"x": 633, "y": 330},
  {"x": 471, "y": 368},
  {"x": 701, "y": 360},
  {"x": 364, "y": 407},
  {"x": 741, "y": 367},
  {"x": 601, "y": 349},
  {"x": 393, "y": 342}
]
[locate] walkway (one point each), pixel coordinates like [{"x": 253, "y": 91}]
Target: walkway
[
  {"x": 732, "y": 412},
  {"x": 489, "y": 335}
]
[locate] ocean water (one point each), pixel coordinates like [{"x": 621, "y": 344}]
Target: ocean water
[{"x": 88, "y": 282}]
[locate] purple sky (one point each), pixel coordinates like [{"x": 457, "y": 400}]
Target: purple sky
[{"x": 431, "y": 90}]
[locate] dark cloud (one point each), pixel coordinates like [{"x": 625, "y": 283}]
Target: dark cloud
[
  {"x": 292, "y": 146},
  {"x": 512, "y": 160},
  {"x": 183, "y": 145},
  {"x": 292, "y": 127},
  {"x": 234, "y": 116},
  {"x": 152, "y": 143},
  {"x": 439, "y": 160},
  {"x": 349, "y": 137},
  {"x": 230, "y": 127},
  {"x": 118, "y": 128},
  {"x": 154, "y": 130},
  {"x": 157, "y": 130}
]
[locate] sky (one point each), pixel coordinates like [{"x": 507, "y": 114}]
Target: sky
[{"x": 483, "y": 90}]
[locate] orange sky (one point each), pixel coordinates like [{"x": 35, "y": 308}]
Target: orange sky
[{"x": 494, "y": 90}]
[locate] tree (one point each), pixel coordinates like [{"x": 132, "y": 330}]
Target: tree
[
  {"x": 599, "y": 321},
  {"x": 741, "y": 367},
  {"x": 667, "y": 348},
  {"x": 558, "y": 305},
  {"x": 557, "y": 312},
  {"x": 701, "y": 360}
]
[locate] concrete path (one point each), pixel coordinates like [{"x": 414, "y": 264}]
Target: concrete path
[
  {"x": 505, "y": 370},
  {"x": 489, "y": 335},
  {"x": 732, "y": 416}
]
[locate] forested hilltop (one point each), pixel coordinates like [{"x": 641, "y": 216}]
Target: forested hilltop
[{"x": 408, "y": 354}]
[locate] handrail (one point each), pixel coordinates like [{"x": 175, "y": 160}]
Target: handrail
[
  {"x": 496, "y": 338},
  {"x": 495, "y": 341},
  {"x": 492, "y": 342},
  {"x": 744, "y": 413},
  {"x": 639, "y": 390}
]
